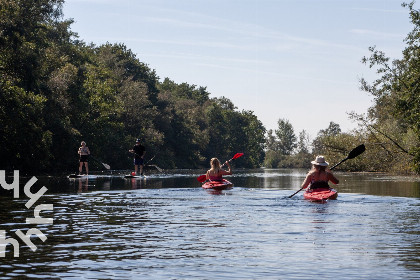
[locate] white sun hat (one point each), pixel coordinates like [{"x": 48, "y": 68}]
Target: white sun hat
[{"x": 320, "y": 160}]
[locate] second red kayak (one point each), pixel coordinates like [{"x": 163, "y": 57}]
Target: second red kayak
[
  {"x": 217, "y": 185},
  {"x": 320, "y": 194}
]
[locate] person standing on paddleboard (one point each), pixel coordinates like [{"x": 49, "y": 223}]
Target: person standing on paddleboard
[
  {"x": 139, "y": 152},
  {"x": 319, "y": 176},
  {"x": 215, "y": 173},
  {"x": 83, "y": 157}
]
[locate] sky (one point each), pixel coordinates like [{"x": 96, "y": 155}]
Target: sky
[{"x": 298, "y": 60}]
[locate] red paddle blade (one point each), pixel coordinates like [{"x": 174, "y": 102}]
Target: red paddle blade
[
  {"x": 201, "y": 178},
  {"x": 238, "y": 155}
]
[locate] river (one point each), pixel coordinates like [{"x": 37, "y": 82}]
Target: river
[{"x": 167, "y": 227}]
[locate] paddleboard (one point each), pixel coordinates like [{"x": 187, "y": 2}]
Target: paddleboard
[
  {"x": 135, "y": 176},
  {"x": 320, "y": 194},
  {"x": 217, "y": 185},
  {"x": 78, "y": 176}
]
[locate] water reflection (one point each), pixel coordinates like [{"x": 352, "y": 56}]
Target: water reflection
[
  {"x": 83, "y": 185},
  {"x": 272, "y": 179},
  {"x": 167, "y": 227},
  {"x": 136, "y": 183},
  {"x": 376, "y": 184}
]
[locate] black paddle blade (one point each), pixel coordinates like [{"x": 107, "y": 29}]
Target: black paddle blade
[{"x": 357, "y": 151}]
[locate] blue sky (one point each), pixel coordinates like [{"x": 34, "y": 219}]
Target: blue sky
[{"x": 294, "y": 59}]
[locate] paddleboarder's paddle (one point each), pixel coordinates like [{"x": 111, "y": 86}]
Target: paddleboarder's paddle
[
  {"x": 153, "y": 165},
  {"x": 354, "y": 153},
  {"x": 104, "y": 164},
  {"x": 202, "y": 178}
]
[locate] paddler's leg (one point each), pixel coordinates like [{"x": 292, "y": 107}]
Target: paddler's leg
[{"x": 141, "y": 162}]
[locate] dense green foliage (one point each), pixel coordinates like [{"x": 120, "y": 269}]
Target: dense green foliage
[
  {"x": 285, "y": 150},
  {"x": 56, "y": 91}
]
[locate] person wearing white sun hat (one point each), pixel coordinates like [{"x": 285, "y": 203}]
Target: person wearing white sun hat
[{"x": 319, "y": 176}]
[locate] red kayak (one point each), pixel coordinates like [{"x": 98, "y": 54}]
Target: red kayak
[
  {"x": 320, "y": 194},
  {"x": 217, "y": 185}
]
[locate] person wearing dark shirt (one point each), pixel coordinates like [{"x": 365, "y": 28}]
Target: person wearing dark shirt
[{"x": 139, "y": 151}]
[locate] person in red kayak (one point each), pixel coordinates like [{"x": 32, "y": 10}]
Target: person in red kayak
[
  {"x": 215, "y": 173},
  {"x": 319, "y": 176}
]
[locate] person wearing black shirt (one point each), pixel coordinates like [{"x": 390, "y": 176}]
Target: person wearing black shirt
[{"x": 139, "y": 151}]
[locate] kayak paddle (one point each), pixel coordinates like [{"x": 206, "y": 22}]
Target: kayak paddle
[
  {"x": 202, "y": 178},
  {"x": 354, "y": 153}
]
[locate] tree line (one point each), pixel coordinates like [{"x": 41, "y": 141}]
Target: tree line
[{"x": 56, "y": 90}]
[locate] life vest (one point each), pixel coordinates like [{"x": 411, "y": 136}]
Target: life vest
[{"x": 318, "y": 184}]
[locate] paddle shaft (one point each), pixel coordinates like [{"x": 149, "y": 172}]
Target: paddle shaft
[
  {"x": 225, "y": 163},
  {"x": 149, "y": 159}
]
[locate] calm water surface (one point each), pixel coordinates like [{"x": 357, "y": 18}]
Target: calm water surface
[{"x": 168, "y": 227}]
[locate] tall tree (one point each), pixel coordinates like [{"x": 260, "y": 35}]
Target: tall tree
[
  {"x": 303, "y": 143},
  {"x": 333, "y": 129},
  {"x": 33, "y": 44},
  {"x": 25, "y": 145},
  {"x": 271, "y": 141},
  {"x": 286, "y": 137}
]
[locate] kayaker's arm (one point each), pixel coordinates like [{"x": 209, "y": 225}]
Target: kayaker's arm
[
  {"x": 229, "y": 171},
  {"x": 332, "y": 178},
  {"x": 305, "y": 183}
]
